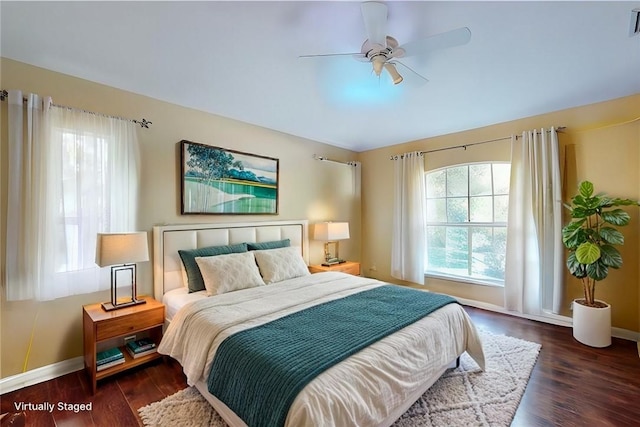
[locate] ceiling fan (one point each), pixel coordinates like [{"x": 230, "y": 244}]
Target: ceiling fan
[{"x": 383, "y": 51}]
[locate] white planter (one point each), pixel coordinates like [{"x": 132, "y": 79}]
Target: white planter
[{"x": 591, "y": 325}]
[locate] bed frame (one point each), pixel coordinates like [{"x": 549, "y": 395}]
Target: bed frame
[{"x": 168, "y": 239}]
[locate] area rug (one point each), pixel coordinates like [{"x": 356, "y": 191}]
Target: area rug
[{"x": 464, "y": 396}]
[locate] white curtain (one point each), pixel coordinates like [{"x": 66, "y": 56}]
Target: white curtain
[
  {"x": 75, "y": 174},
  {"x": 409, "y": 230},
  {"x": 534, "y": 264},
  {"x": 27, "y": 192}
]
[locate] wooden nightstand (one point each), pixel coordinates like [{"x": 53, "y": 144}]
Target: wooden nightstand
[
  {"x": 349, "y": 267},
  {"x": 107, "y": 329}
]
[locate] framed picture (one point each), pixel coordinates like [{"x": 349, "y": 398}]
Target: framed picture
[{"x": 220, "y": 181}]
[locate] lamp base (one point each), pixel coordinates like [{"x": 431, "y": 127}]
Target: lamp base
[
  {"x": 334, "y": 261},
  {"x": 108, "y": 306}
]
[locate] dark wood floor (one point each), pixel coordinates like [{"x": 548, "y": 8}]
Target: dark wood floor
[{"x": 571, "y": 384}]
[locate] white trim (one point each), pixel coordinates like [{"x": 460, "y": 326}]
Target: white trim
[
  {"x": 38, "y": 375},
  {"x": 626, "y": 334},
  {"x": 553, "y": 319}
]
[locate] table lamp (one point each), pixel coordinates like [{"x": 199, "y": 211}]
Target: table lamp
[
  {"x": 121, "y": 251},
  {"x": 331, "y": 232}
]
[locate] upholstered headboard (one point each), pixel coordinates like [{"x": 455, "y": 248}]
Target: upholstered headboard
[{"x": 168, "y": 239}]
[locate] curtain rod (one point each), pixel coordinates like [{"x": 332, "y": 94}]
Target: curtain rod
[
  {"x": 144, "y": 123},
  {"x": 464, "y": 146},
  {"x": 325, "y": 159}
]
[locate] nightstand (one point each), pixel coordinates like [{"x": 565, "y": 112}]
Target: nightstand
[
  {"x": 349, "y": 267},
  {"x": 107, "y": 329}
]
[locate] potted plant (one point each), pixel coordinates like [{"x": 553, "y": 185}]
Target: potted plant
[{"x": 591, "y": 238}]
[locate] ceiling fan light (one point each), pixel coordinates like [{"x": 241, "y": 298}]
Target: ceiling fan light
[
  {"x": 395, "y": 76},
  {"x": 378, "y": 62}
]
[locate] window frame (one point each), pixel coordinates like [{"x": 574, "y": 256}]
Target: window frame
[{"x": 468, "y": 224}]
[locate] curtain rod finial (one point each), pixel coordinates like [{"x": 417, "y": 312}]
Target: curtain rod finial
[{"x": 144, "y": 123}]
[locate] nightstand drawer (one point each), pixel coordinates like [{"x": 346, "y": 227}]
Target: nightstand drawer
[
  {"x": 123, "y": 325},
  {"x": 349, "y": 268}
]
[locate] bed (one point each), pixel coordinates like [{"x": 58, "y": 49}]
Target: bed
[{"x": 373, "y": 386}]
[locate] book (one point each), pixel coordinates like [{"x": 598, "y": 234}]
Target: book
[
  {"x": 141, "y": 353},
  {"x": 140, "y": 345},
  {"x": 109, "y": 355},
  {"x": 110, "y": 364}
]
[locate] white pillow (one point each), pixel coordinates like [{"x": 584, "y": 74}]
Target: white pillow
[
  {"x": 281, "y": 264},
  {"x": 230, "y": 272}
]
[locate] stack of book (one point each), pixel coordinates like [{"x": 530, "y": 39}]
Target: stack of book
[
  {"x": 141, "y": 347},
  {"x": 108, "y": 358}
]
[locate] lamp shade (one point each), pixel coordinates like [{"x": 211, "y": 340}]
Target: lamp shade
[
  {"x": 330, "y": 231},
  {"x": 121, "y": 248}
]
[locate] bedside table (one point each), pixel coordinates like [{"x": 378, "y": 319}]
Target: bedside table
[
  {"x": 107, "y": 329},
  {"x": 349, "y": 267}
]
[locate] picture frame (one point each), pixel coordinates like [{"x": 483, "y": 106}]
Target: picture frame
[{"x": 220, "y": 181}]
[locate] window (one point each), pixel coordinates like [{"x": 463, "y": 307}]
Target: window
[
  {"x": 466, "y": 222},
  {"x": 85, "y": 197},
  {"x": 97, "y": 193},
  {"x": 75, "y": 174}
]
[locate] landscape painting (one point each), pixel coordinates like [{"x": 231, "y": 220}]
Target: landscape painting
[{"x": 221, "y": 181}]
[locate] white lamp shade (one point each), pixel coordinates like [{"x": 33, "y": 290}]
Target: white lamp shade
[
  {"x": 121, "y": 248},
  {"x": 330, "y": 231}
]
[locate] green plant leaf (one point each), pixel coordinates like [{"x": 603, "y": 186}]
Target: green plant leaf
[
  {"x": 616, "y": 217},
  {"x": 578, "y": 200},
  {"x": 573, "y": 226},
  {"x": 593, "y": 202},
  {"x": 587, "y": 253},
  {"x": 570, "y": 230},
  {"x": 611, "y": 236},
  {"x": 573, "y": 240},
  {"x": 580, "y": 212},
  {"x": 575, "y": 268},
  {"x": 610, "y": 256},
  {"x": 585, "y": 189},
  {"x": 597, "y": 271},
  {"x": 605, "y": 202},
  {"x": 624, "y": 202}
]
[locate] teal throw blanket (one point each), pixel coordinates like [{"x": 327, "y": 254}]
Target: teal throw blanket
[{"x": 259, "y": 372}]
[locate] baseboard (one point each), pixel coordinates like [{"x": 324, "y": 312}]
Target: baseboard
[
  {"x": 554, "y": 319},
  {"x": 625, "y": 334},
  {"x": 42, "y": 374}
]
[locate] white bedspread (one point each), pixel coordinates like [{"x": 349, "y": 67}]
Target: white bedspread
[{"x": 380, "y": 378}]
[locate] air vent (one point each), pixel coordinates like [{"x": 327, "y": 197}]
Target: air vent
[{"x": 634, "y": 30}]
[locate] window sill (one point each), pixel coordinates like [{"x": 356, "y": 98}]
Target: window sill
[{"x": 466, "y": 280}]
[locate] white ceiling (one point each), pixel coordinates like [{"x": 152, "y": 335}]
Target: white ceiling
[{"x": 240, "y": 60}]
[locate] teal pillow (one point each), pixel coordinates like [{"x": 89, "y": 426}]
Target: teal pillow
[
  {"x": 195, "y": 282},
  {"x": 274, "y": 244}
]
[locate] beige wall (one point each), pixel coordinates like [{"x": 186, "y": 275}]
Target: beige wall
[
  {"x": 309, "y": 189},
  {"x": 604, "y": 154}
]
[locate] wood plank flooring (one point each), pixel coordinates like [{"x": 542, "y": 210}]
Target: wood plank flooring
[{"x": 571, "y": 384}]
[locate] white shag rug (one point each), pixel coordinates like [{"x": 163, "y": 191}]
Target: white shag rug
[{"x": 464, "y": 396}]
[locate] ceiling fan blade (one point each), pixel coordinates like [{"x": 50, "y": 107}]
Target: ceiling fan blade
[
  {"x": 357, "y": 55},
  {"x": 444, "y": 40},
  {"x": 375, "y": 21}
]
